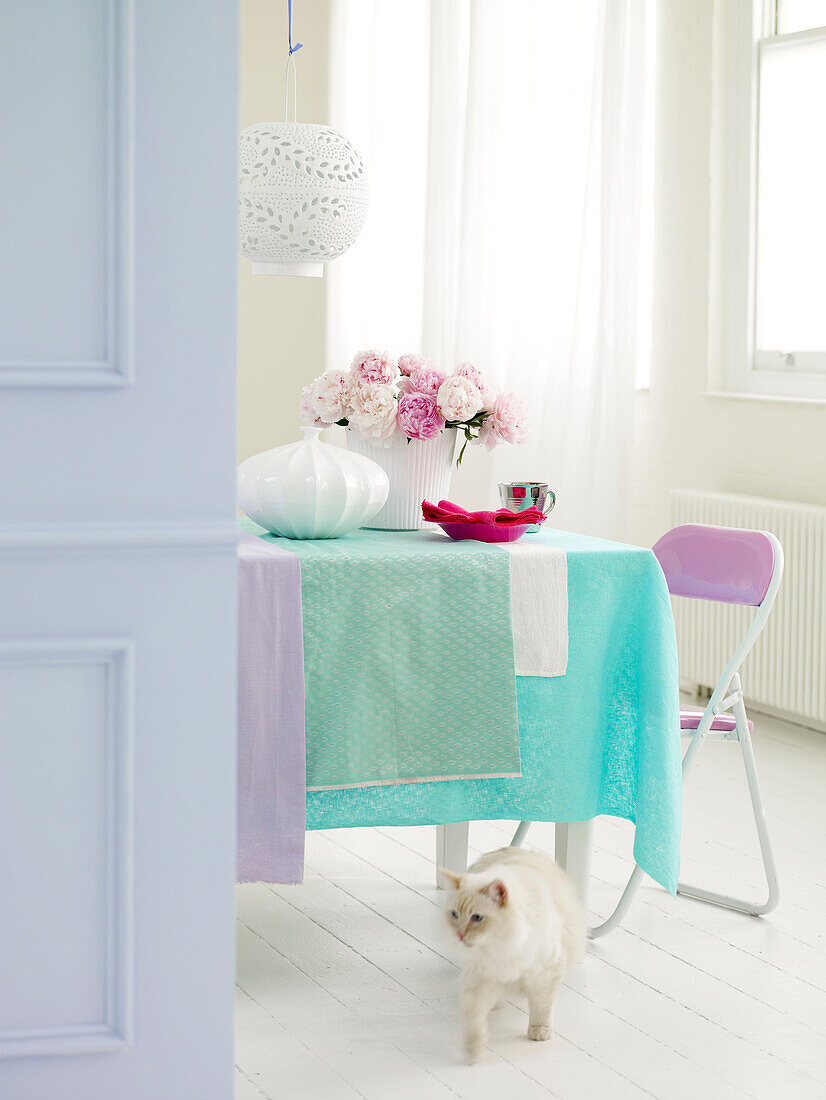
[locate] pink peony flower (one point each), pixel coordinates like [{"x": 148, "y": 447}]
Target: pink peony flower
[
  {"x": 409, "y": 363},
  {"x": 422, "y": 380},
  {"x": 330, "y": 397},
  {"x": 467, "y": 370},
  {"x": 418, "y": 416},
  {"x": 507, "y": 422},
  {"x": 458, "y": 399},
  {"x": 489, "y": 396},
  {"x": 371, "y": 367},
  {"x": 307, "y": 413},
  {"x": 374, "y": 413}
]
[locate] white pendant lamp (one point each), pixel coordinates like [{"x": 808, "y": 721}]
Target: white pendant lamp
[{"x": 302, "y": 193}]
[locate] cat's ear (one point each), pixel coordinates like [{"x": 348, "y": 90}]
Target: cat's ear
[
  {"x": 497, "y": 891},
  {"x": 453, "y": 879}
]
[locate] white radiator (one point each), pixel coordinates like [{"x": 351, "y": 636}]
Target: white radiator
[{"x": 786, "y": 671}]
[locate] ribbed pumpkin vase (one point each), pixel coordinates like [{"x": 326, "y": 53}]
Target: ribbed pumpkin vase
[
  {"x": 419, "y": 469},
  {"x": 310, "y": 490}
]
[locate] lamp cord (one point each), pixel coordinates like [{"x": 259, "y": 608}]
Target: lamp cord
[{"x": 290, "y": 67}]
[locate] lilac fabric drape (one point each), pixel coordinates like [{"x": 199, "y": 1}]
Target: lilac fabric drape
[{"x": 271, "y": 750}]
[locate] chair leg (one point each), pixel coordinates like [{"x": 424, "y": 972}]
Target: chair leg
[
  {"x": 520, "y": 834},
  {"x": 762, "y": 828},
  {"x": 622, "y": 906},
  {"x": 633, "y": 883},
  {"x": 755, "y": 909}
]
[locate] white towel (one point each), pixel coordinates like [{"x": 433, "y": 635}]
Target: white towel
[{"x": 539, "y": 605}]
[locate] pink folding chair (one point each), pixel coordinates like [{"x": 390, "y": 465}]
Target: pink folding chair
[{"x": 734, "y": 566}]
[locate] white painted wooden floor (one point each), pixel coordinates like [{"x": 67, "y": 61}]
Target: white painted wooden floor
[{"x": 347, "y": 986}]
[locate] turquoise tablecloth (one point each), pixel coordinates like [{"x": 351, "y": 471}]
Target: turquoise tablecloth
[{"x": 603, "y": 739}]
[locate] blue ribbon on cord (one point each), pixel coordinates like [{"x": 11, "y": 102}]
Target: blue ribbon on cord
[{"x": 298, "y": 45}]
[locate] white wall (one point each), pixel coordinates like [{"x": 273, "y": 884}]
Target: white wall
[{"x": 685, "y": 440}]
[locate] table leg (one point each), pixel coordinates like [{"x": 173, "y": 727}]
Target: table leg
[
  {"x": 572, "y": 851},
  {"x": 451, "y": 849}
]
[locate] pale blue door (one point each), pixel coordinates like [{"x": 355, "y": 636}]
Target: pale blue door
[{"x": 117, "y": 560}]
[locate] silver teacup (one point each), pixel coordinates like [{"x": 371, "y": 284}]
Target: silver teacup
[{"x": 518, "y": 495}]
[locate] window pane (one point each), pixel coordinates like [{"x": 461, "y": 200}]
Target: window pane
[
  {"x": 791, "y": 198},
  {"x": 800, "y": 15}
]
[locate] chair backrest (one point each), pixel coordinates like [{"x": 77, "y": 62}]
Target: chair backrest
[
  {"x": 725, "y": 564},
  {"x": 728, "y": 565}
]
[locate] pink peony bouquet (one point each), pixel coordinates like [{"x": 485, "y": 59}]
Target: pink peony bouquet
[{"x": 378, "y": 396}]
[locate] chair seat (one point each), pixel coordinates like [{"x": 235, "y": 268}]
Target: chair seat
[{"x": 690, "y": 720}]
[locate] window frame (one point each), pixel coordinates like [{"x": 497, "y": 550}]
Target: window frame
[{"x": 742, "y": 32}]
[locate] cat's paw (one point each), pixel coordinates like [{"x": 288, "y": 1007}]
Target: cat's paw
[
  {"x": 474, "y": 1045},
  {"x": 540, "y": 1032}
]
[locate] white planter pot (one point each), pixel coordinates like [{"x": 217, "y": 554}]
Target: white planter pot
[
  {"x": 418, "y": 470},
  {"x": 310, "y": 490}
]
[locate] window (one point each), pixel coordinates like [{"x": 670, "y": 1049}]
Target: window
[{"x": 771, "y": 224}]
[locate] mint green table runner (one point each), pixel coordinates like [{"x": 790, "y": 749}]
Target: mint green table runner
[
  {"x": 603, "y": 739},
  {"x": 392, "y": 693}
]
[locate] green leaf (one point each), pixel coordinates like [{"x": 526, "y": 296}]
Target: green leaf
[{"x": 468, "y": 437}]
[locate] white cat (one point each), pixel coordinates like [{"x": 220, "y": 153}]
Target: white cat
[{"x": 521, "y": 925}]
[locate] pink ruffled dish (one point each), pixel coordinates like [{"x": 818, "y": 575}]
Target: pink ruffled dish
[
  {"x": 485, "y": 532},
  {"x": 502, "y": 525}
]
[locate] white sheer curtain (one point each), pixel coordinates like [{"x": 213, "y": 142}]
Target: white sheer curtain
[{"x": 509, "y": 149}]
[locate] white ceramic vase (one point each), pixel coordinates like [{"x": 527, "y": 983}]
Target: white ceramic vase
[
  {"x": 310, "y": 490},
  {"x": 418, "y": 469}
]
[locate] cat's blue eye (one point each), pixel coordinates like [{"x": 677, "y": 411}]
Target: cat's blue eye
[
  {"x": 477, "y": 917},
  {"x": 454, "y": 914}
]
